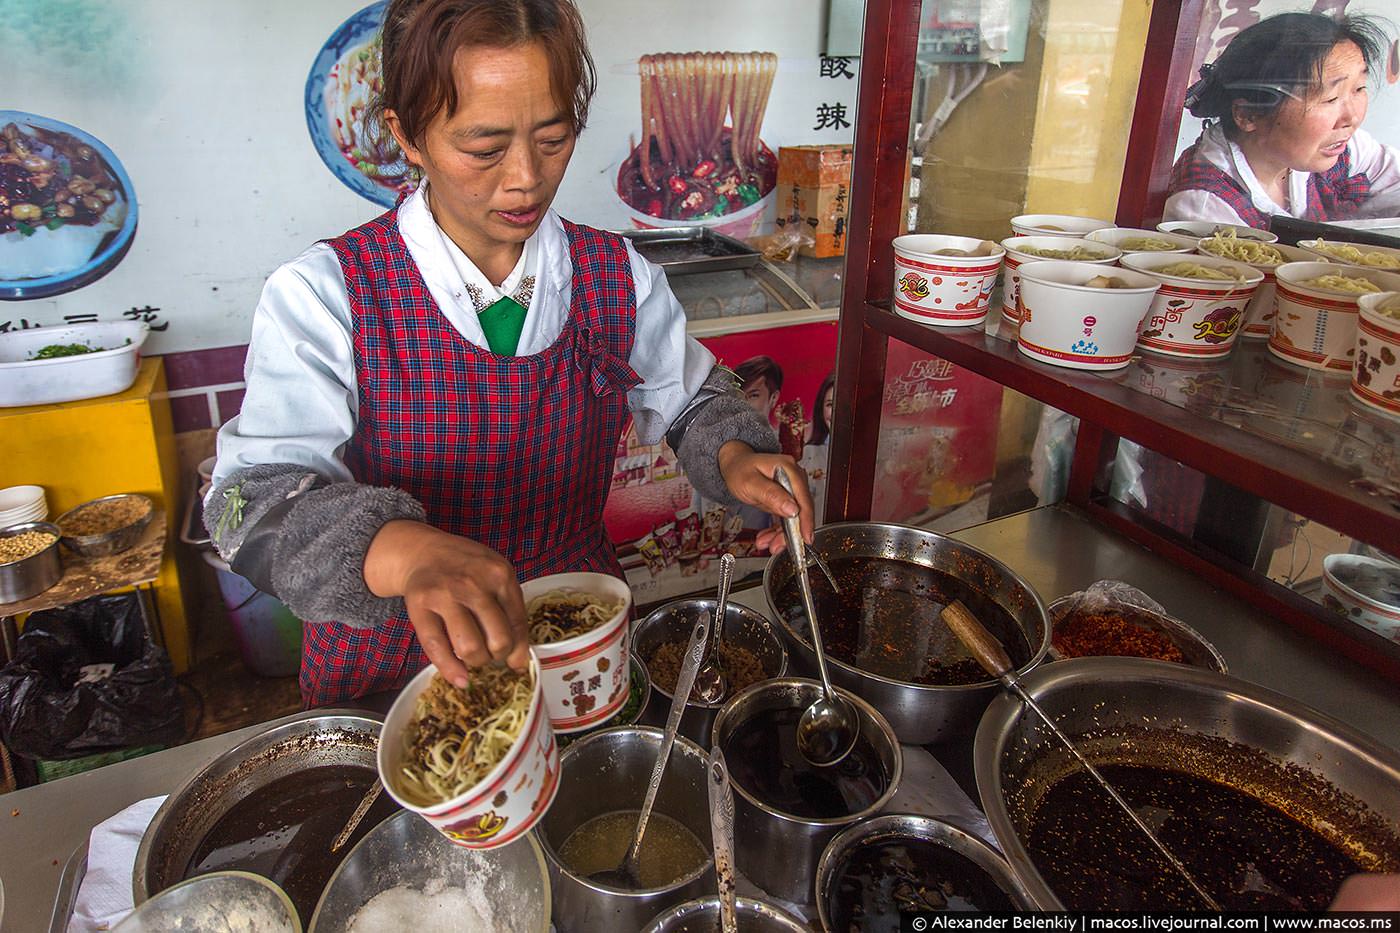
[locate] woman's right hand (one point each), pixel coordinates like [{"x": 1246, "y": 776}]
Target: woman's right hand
[{"x": 462, "y": 597}]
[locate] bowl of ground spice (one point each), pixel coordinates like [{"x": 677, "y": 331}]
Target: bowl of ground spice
[
  {"x": 1089, "y": 624},
  {"x": 29, "y": 562},
  {"x": 104, "y": 526}
]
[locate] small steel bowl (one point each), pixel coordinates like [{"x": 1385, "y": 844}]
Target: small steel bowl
[
  {"x": 30, "y": 576},
  {"x": 1197, "y": 651},
  {"x": 113, "y": 541},
  {"x": 702, "y": 916}
]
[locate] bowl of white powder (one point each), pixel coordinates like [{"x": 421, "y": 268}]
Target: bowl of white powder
[{"x": 405, "y": 875}]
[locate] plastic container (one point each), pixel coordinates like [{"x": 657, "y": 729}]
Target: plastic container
[
  {"x": 268, "y": 635},
  {"x": 27, "y": 381},
  {"x": 946, "y": 291}
]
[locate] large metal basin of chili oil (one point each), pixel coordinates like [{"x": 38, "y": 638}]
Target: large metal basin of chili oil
[
  {"x": 271, "y": 805},
  {"x": 1268, "y": 801},
  {"x": 884, "y": 639}
]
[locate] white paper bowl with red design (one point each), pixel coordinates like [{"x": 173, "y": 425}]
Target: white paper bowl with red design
[
  {"x": 1066, "y": 322},
  {"x": 502, "y": 806},
  {"x": 1018, "y": 250},
  {"x": 1056, "y": 225},
  {"x": 1366, "y": 589},
  {"x": 1259, "y": 315},
  {"x": 1316, "y": 326},
  {"x": 1194, "y": 317},
  {"x": 933, "y": 285},
  {"x": 1127, "y": 239},
  {"x": 1375, "y": 380},
  {"x": 1196, "y": 229},
  {"x": 586, "y": 676}
]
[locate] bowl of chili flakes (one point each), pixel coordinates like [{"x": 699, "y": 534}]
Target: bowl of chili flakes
[{"x": 1088, "y": 625}]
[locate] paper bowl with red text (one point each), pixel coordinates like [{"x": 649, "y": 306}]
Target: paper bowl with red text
[
  {"x": 1259, "y": 315},
  {"x": 1066, "y": 322},
  {"x": 934, "y": 285},
  {"x": 1194, "y": 317},
  {"x": 1375, "y": 380},
  {"x": 1056, "y": 225},
  {"x": 585, "y": 677},
  {"x": 503, "y": 805},
  {"x": 1316, "y": 325},
  {"x": 1020, "y": 249}
]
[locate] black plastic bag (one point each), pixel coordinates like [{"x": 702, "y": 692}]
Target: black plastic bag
[{"x": 87, "y": 679}]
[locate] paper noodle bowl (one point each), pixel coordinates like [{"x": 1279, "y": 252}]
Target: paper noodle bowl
[
  {"x": 1375, "y": 381},
  {"x": 1197, "y": 318},
  {"x": 1259, "y": 314},
  {"x": 585, "y": 677},
  {"x": 1056, "y": 225},
  {"x": 1064, "y": 322},
  {"x": 1317, "y": 251},
  {"x": 1015, "y": 255},
  {"x": 1316, "y": 327},
  {"x": 947, "y": 291},
  {"x": 1121, "y": 237},
  {"x": 502, "y": 806},
  {"x": 1196, "y": 229}
]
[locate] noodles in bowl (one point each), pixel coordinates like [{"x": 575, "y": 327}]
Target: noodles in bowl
[{"x": 565, "y": 613}]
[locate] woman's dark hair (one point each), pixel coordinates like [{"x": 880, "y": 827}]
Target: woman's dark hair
[
  {"x": 421, "y": 38},
  {"x": 820, "y": 428},
  {"x": 1277, "y": 58}
]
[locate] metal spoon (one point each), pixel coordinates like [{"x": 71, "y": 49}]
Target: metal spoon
[
  {"x": 722, "y": 834},
  {"x": 992, "y": 656},
  {"x": 361, "y": 809},
  {"x": 625, "y": 874},
  {"x": 711, "y": 686},
  {"x": 826, "y": 731}
]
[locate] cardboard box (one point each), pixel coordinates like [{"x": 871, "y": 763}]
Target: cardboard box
[{"x": 814, "y": 194}]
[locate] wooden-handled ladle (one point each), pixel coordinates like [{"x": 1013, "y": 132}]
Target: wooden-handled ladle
[{"x": 992, "y": 656}]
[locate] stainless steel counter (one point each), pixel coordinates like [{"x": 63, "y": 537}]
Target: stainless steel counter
[{"x": 1055, "y": 549}]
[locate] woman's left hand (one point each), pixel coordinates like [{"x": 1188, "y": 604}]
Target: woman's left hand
[{"x": 749, "y": 476}]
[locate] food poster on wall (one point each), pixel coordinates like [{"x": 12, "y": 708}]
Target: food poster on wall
[{"x": 668, "y": 537}]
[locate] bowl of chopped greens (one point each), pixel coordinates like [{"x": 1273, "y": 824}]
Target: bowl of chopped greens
[{"x": 46, "y": 365}]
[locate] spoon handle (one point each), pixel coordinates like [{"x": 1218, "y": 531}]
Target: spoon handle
[
  {"x": 984, "y": 646},
  {"x": 726, "y": 580},
  {"x": 722, "y": 833},
  {"x": 797, "y": 548},
  {"x": 686, "y": 680}
]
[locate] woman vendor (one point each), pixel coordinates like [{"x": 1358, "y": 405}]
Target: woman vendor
[
  {"x": 1283, "y": 107},
  {"x": 434, "y": 398}
]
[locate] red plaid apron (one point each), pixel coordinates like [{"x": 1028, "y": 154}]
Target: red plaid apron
[
  {"x": 1335, "y": 194},
  {"x": 515, "y": 452}
]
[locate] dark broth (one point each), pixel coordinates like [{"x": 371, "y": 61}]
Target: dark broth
[
  {"x": 887, "y": 875},
  {"x": 763, "y": 759},
  {"x": 886, "y": 621},
  {"x": 284, "y": 831},
  {"x": 669, "y": 850},
  {"x": 1247, "y": 854}
]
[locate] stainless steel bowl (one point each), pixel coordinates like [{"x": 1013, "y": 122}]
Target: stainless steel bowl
[
  {"x": 30, "y": 576},
  {"x": 918, "y": 713},
  {"x": 702, "y": 916},
  {"x": 334, "y": 737},
  {"x": 775, "y": 850},
  {"x": 895, "y": 826},
  {"x": 604, "y": 773},
  {"x": 1348, "y": 780},
  {"x": 113, "y": 541},
  {"x": 1197, "y": 651},
  {"x": 674, "y": 621}
]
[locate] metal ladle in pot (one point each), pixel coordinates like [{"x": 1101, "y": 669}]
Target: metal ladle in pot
[
  {"x": 992, "y": 656},
  {"x": 625, "y": 875},
  {"x": 826, "y": 731},
  {"x": 722, "y": 835},
  {"x": 711, "y": 686}
]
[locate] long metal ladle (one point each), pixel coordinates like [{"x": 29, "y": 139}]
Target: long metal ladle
[
  {"x": 625, "y": 875},
  {"x": 722, "y": 835},
  {"x": 992, "y": 656},
  {"x": 826, "y": 731},
  {"x": 711, "y": 686}
]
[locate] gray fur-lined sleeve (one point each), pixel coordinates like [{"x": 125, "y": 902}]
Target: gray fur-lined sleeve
[
  {"x": 305, "y": 541},
  {"x": 714, "y": 421}
]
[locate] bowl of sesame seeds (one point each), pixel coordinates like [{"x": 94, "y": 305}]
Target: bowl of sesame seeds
[
  {"x": 105, "y": 526},
  {"x": 29, "y": 562}
]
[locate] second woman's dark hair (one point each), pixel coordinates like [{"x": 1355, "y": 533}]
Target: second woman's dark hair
[
  {"x": 821, "y": 428},
  {"x": 1277, "y": 58}
]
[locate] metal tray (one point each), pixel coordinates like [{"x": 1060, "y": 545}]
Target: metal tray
[{"x": 685, "y": 250}]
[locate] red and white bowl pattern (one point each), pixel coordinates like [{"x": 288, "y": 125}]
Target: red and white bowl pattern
[
  {"x": 1369, "y": 609},
  {"x": 1317, "y": 327},
  {"x": 1259, "y": 315},
  {"x": 1196, "y": 318},
  {"x": 1375, "y": 380},
  {"x": 947, "y": 291},
  {"x": 1066, "y": 323},
  {"x": 585, "y": 677},
  {"x": 505, "y": 804},
  {"x": 1011, "y": 277}
]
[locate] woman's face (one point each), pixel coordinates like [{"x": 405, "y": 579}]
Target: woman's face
[
  {"x": 494, "y": 165},
  {"x": 829, "y": 405},
  {"x": 1309, "y": 135}
]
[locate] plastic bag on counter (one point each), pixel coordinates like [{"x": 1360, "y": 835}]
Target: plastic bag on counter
[
  {"x": 1116, "y": 619},
  {"x": 1106, "y": 596},
  {"x": 87, "y": 679}
]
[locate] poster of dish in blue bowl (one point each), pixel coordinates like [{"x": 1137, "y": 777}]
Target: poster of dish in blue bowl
[
  {"x": 67, "y": 208},
  {"x": 343, "y": 83}
]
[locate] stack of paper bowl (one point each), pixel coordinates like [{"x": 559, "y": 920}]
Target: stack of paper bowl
[
  {"x": 1021, "y": 249},
  {"x": 1129, "y": 240},
  {"x": 22, "y": 504},
  {"x": 1259, "y": 315},
  {"x": 946, "y": 281},
  {"x": 1056, "y": 225},
  {"x": 1194, "y": 317},
  {"x": 1066, "y": 322},
  {"x": 1207, "y": 228},
  {"x": 1367, "y": 590},
  {"x": 1316, "y": 326},
  {"x": 1375, "y": 380},
  {"x": 1376, "y": 258}
]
